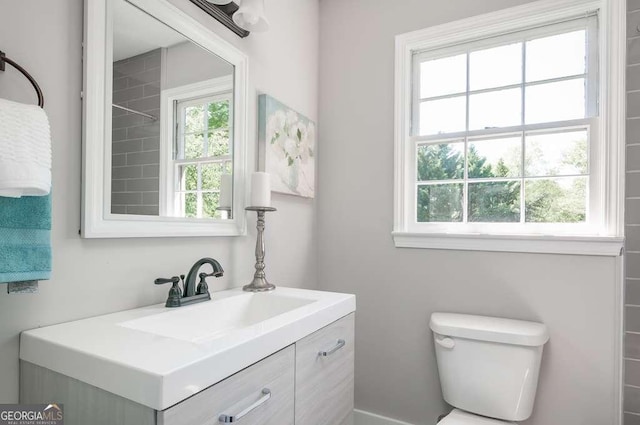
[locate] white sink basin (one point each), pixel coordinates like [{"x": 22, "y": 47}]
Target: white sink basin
[
  {"x": 158, "y": 356},
  {"x": 207, "y": 321}
]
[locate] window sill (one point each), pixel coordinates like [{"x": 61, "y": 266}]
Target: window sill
[{"x": 609, "y": 246}]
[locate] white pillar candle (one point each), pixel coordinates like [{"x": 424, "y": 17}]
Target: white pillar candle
[
  {"x": 260, "y": 190},
  {"x": 226, "y": 190}
]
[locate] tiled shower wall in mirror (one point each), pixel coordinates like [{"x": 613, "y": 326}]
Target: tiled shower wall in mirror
[{"x": 136, "y": 140}]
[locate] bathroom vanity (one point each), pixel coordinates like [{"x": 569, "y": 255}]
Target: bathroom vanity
[{"x": 284, "y": 357}]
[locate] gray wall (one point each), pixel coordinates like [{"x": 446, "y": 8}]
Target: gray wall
[
  {"x": 398, "y": 289},
  {"x": 92, "y": 277},
  {"x": 135, "y": 159},
  {"x": 632, "y": 309}
]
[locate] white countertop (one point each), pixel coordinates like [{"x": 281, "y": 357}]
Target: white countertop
[{"x": 128, "y": 354}]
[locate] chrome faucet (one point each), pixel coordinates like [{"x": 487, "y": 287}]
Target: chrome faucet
[{"x": 191, "y": 294}]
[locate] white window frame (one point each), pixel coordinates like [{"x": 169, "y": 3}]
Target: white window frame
[
  {"x": 590, "y": 123},
  {"x": 606, "y": 154},
  {"x": 216, "y": 87}
]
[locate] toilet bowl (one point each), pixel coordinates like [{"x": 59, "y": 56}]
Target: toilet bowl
[{"x": 488, "y": 367}]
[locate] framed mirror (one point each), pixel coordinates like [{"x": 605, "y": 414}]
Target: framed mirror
[{"x": 165, "y": 124}]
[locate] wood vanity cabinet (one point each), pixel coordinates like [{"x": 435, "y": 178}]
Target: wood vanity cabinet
[
  {"x": 324, "y": 384},
  {"x": 307, "y": 383},
  {"x": 240, "y": 392}
]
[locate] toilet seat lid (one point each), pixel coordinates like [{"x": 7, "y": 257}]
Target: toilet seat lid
[{"x": 459, "y": 417}]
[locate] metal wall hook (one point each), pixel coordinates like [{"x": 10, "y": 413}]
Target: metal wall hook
[{"x": 4, "y": 59}]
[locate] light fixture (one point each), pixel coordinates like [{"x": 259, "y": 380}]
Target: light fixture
[
  {"x": 220, "y": 2},
  {"x": 250, "y": 16}
]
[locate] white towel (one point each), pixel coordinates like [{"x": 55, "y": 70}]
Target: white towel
[{"x": 25, "y": 150}]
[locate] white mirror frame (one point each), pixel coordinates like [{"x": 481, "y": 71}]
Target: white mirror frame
[{"x": 97, "y": 219}]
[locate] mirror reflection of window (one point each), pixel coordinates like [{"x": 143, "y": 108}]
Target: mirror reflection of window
[
  {"x": 202, "y": 154},
  {"x": 172, "y": 122}
]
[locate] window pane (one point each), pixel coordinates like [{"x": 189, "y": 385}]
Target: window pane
[
  {"x": 495, "y": 67},
  {"x": 551, "y": 102},
  {"x": 561, "y": 200},
  {"x": 193, "y": 146},
  {"x": 440, "y": 203},
  {"x": 500, "y": 108},
  {"x": 211, "y": 175},
  {"x": 443, "y": 116},
  {"x": 494, "y": 202},
  {"x": 441, "y": 162},
  {"x": 556, "y": 56},
  {"x": 218, "y": 142},
  {"x": 218, "y": 114},
  {"x": 188, "y": 177},
  {"x": 495, "y": 158},
  {"x": 443, "y": 76},
  {"x": 556, "y": 154},
  {"x": 194, "y": 119},
  {"x": 190, "y": 205},
  {"x": 209, "y": 205}
]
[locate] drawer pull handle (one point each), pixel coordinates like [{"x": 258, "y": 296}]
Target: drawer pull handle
[
  {"x": 230, "y": 419},
  {"x": 338, "y": 346}
]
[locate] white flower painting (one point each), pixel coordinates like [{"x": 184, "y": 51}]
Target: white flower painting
[{"x": 287, "y": 143}]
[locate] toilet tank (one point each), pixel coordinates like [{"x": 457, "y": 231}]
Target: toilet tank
[{"x": 488, "y": 365}]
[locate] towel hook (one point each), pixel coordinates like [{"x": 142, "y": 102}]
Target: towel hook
[{"x": 4, "y": 59}]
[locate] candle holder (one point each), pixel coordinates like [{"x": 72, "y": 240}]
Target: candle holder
[
  {"x": 226, "y": 210},
  {"x": 260, "y": 283}
]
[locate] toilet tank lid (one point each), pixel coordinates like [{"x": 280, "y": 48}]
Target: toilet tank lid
[{"x": 493, "y": 329}]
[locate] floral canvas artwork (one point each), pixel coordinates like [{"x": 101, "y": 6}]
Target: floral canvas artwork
[{"x": 287, "y": 143}]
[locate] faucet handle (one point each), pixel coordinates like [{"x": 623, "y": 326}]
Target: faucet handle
[
  {"x": 175, "y": 293},
  {"x": 162, "y": 280},
  {"x": 203, "y": 288},
  {"x": 214, "y": 274}
]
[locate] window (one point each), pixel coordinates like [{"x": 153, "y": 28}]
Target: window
[
  {"x": 499, "y": 129},
  {"x": 198, "y": 153},
  {"x": 502, "y": 127},
  {"x": 202, "y": 154}
]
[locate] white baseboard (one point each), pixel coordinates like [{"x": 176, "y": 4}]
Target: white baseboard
[{"x": 360, "y": 417}]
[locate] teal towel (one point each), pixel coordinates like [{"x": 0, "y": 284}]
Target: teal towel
[{"x": 25, "y": 238}]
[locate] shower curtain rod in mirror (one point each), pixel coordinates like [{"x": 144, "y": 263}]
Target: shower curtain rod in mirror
[{"x": 133, "y": 111}]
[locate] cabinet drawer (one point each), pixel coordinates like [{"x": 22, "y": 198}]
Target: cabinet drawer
[
  {"x": 267, "y": 386},
  {"x": 324, "y": 383}
]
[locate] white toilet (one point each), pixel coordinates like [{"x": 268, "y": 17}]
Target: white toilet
[{"x": 488, "y": 367}]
